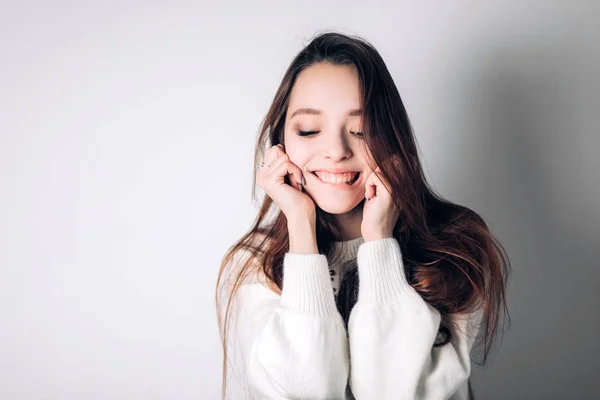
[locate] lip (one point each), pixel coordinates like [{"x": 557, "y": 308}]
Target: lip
[
  {"x": 335, "y": 170},
  {"x": 337, "y": 185}
]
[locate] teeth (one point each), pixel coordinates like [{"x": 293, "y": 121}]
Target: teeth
[{"x": 336, "y": 178}]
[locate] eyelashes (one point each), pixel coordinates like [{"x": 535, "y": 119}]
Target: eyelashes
[
  {"x": 310, "y": 133},
  {"x": 306, "y": 133}
]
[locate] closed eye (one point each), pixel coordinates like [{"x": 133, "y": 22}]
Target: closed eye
[
  {"x": 309, "y": 133},
  {"x": 306, "y": 133}
]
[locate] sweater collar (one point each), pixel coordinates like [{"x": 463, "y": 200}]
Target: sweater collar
[{"x": 348, "y": 248}]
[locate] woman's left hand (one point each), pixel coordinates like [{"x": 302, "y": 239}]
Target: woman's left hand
[{"x": 379, "y": 212}]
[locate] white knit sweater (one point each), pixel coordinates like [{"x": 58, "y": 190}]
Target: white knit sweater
[{"x": 295, "y": 346}]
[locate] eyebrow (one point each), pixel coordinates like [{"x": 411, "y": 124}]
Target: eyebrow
[{"x": 312, "y": 111}]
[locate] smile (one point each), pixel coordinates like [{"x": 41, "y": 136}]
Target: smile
[{"x": 345, "y": 179}]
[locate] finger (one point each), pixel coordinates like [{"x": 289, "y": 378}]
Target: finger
[
  {"x": 283, "y": 166},
  {"x": 381, "y": 177},
  {"x": 281, "y": 169},
  {"x": 276, "y": 162},
  {"x": 370, "y": 187},
  {"x": 294, "y": 182},
  {"x": 271, "y": 174},
  {"x": 270, "y": 160},
  {"x": 381, "y": 182},
  {"x": 270, "y": 156},
  {"x": 273, "y": 153},
  {"x": 295, "y": 175}
]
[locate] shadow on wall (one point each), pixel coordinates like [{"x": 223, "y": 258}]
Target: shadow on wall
[{"x": 538, "y": 188}]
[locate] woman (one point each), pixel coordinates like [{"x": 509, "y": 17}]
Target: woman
[{"x": 363, "y": 283}]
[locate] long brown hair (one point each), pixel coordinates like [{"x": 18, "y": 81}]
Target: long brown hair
[{"x": 450, "y": 257}]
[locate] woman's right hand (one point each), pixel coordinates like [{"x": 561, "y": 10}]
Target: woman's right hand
[{"x": 296, "y": 204}]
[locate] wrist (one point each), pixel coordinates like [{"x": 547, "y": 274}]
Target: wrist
[
  {"x": 302, "y": 237},
  {"x": 377, "y": 236}
]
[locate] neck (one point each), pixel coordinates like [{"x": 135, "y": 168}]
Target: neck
[{"x": 350, "y": 223}]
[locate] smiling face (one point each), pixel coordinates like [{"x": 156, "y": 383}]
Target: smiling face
[{"x": 322, "y": 134}]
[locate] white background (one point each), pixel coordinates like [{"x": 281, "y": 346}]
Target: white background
[{"x": 127, "y": 132}]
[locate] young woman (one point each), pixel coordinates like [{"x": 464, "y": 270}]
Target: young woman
[{"x": 362, "y": 283}]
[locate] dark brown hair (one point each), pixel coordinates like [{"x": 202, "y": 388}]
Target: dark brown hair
[{"x": 450, "y": 257}]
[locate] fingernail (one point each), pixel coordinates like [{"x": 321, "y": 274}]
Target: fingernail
[
  {"x": 280, "y": 145},
  {"x": 303, "y": 181},
  {"x": 367, "y": 197},
  {"x": 300, "y": 187}
]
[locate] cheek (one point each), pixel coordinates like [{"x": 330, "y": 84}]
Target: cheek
[
  {"x": 299, "y": 161},
  {"x": 298, "y": 155}
]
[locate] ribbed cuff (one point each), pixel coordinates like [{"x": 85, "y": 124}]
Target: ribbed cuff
[
  {"x": 307, "y": 285},
  {"x": 381, "y": 271}
]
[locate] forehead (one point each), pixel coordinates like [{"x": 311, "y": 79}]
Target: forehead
[{"x": 334, "y": 89}]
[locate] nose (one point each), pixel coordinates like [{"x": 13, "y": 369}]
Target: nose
[{"x": 336, "y": 147}]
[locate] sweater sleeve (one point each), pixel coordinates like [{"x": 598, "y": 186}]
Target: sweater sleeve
[
  {"x": 292, "y": 346},
  {"x": 392, "y": 331}
]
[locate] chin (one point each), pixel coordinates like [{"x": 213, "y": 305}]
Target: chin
[{"x": 338, "y": 206}]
